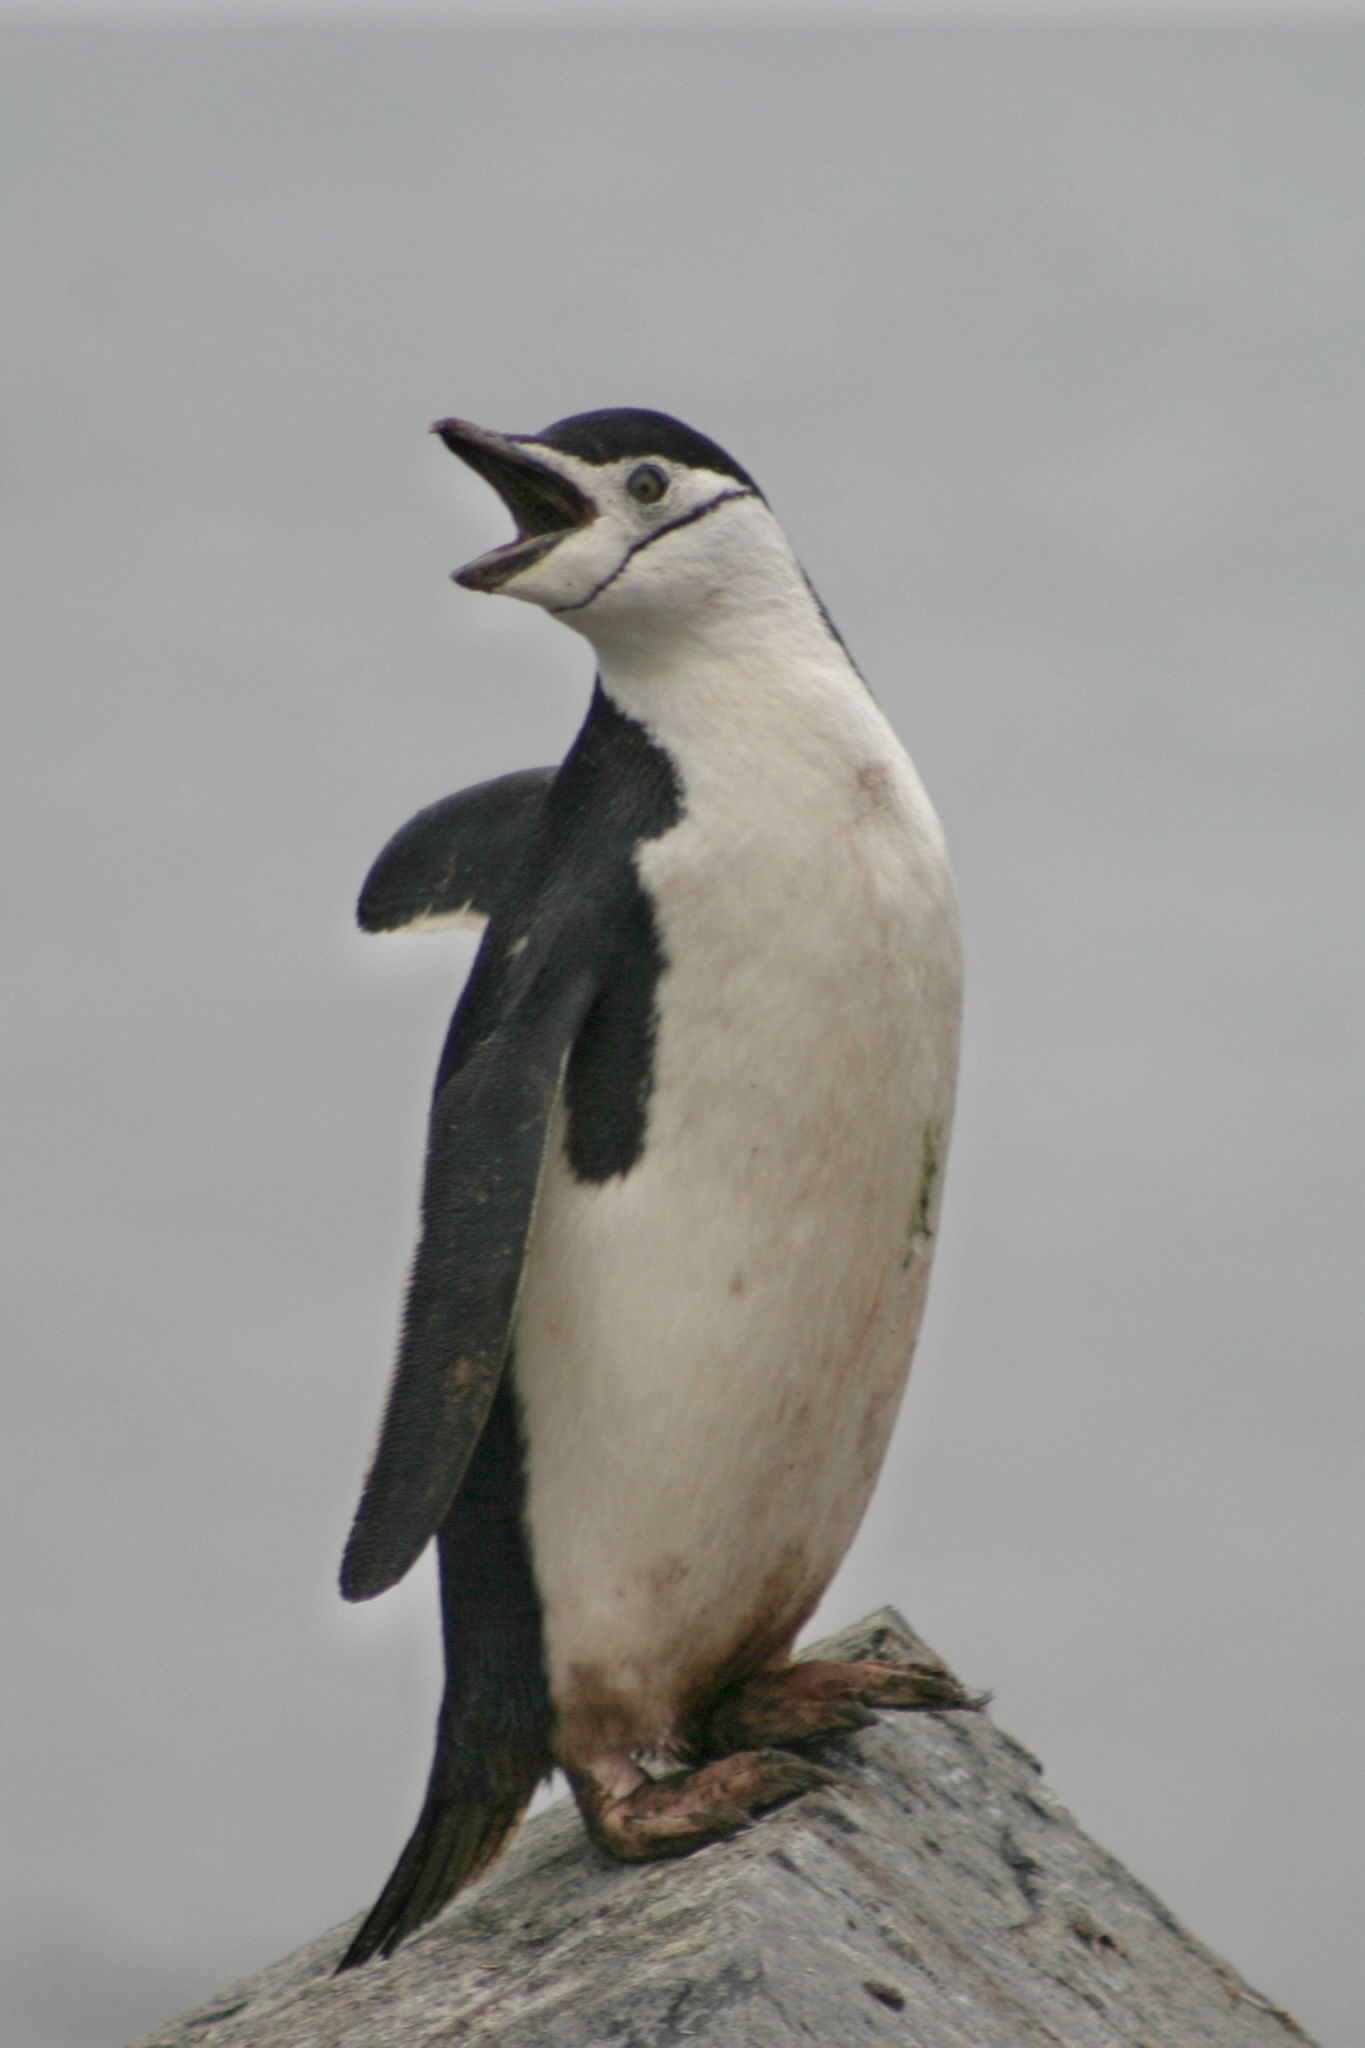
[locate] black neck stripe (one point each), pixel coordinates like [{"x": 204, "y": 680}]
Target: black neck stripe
[{"x": 687, "y": 519}]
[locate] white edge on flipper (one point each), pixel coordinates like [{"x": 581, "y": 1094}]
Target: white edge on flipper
[{"x": 466, "y": 920}]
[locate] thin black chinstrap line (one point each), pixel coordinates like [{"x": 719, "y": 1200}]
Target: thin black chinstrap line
[{"x": 699, "y": 512}]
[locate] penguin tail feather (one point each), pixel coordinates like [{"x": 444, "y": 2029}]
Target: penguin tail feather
[
  {"x": 473, "y": 1802},
  {"x": 493, "y": 1734}
]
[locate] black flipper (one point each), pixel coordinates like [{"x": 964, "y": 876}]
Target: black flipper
[
  {"x": 492, "y": 1738},
  {"x": 485, "y": 1148},
  {"x": 456, "y": 857},
  {"x": 568, "y": 965}
]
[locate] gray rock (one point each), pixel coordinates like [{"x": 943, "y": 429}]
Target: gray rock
[{"x": 937, "y": 1895}]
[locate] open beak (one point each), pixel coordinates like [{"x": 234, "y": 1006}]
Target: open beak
[{"x": 544, "y": 504}]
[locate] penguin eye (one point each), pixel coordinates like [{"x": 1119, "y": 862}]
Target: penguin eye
[{"x": 646, "y": 484}]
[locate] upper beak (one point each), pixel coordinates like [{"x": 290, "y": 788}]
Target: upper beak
[{"x": 544, "y": 504}]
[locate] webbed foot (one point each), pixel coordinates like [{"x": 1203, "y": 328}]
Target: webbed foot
[
  {"x": 674, "y": 1815},
  {"x": 810, "y": 1700}
]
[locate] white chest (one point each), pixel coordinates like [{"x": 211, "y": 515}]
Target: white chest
[
  {"x": 710, "y": 1349},
  {"x": 807, "y": 919}
]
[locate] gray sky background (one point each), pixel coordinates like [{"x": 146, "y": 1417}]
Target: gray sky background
[
  {"x": 719, "y": 11},
  {"x": 1045, "y": 341}
]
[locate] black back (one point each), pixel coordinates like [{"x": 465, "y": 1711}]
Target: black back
[
  {"x": 615, "y": 789},
  {"x": 567, "y": 973},
  {"x": 568, "y": 970}
]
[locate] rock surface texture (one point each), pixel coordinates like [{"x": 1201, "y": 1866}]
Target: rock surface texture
[{"x": 937, "y": 1895}]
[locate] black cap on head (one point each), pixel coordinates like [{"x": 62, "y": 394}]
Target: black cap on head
[{"x": 623, "y": 432}]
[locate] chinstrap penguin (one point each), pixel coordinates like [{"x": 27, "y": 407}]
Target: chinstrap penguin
[{"x": 684, "y": 1166}]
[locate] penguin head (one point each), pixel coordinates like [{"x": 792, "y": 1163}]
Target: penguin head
[{"x": 619, "y": 514}]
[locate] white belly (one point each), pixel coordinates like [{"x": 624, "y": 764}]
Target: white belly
[{"x": 710, "y": 1350}]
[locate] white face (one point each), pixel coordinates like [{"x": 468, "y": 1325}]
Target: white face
[{"x": 599, "y": 543}]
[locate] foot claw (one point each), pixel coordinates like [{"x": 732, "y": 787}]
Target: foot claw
[
  {"x": 928, "y": 1687},
  {"x": 785, "y": 1775}
]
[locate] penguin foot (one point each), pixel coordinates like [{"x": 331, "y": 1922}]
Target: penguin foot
[
  {"x": 674, "y": 1815},
  {"x": 811, "y": 1700}
]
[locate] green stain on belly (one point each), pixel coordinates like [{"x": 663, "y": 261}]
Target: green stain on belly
[{"x": 921, "y": 1227}]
